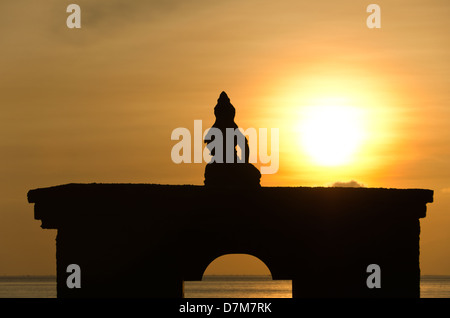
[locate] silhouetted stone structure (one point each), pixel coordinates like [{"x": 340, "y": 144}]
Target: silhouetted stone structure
[{"x": 144, "y": 240}]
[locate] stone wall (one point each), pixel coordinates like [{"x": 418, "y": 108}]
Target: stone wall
[{"x": 143, "y": 240}]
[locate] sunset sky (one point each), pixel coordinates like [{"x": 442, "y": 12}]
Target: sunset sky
[{"x": 99, "y": 104}]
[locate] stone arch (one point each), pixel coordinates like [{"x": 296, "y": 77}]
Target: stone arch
[
  {"x": 196, "y": 262},
  {"x": 257, "y": 266},
  {"x": 256, "y": 275}
]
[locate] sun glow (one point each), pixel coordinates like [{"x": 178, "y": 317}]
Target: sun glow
[
  {"x": 332, "y": 131},
  {"x": 337, "y": 124}
]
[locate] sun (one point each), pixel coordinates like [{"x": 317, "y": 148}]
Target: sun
[{"x": 332, "y": 132}]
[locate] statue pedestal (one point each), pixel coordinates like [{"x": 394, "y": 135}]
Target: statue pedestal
[{"x": 232, "y": 175}]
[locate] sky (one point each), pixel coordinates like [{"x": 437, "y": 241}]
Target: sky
[{"x": 99, "y": 103}]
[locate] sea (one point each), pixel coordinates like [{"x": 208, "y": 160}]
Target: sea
[{"x": 431, "y": 286}]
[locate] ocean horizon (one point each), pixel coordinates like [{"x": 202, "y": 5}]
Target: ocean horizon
[{"x": 212, "y": 286}]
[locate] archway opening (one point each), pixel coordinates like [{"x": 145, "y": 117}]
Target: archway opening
[{"x": 237, "y": 276}]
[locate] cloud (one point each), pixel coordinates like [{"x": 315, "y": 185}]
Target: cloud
[{"x": 348, "y": 184}]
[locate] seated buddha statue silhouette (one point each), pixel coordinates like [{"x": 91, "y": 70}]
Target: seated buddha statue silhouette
[{"x": 226, "y": 168}]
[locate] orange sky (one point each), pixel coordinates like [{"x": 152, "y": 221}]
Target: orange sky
[{"x": 98, "y": 104}]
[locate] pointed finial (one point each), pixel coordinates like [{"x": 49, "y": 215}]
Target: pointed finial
[
  {"x": 223, "y": 97},
  {"x": 225, "y": 111}
]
